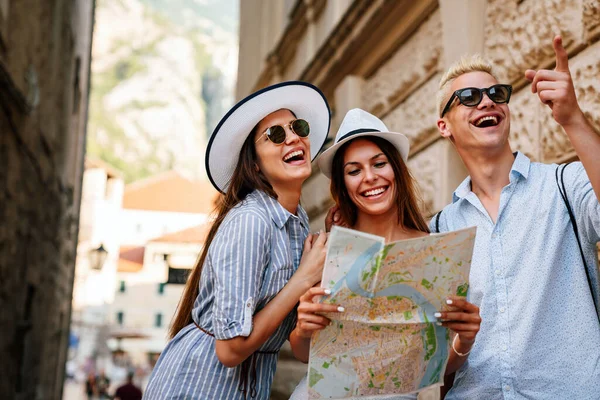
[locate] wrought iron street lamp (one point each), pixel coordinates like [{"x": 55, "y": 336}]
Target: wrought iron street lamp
[{"x": 97, "y": 257}]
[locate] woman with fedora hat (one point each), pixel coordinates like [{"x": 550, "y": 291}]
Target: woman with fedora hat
[
  {"x": 375, "y": 193},
  {"x": 237, "y": 308}
]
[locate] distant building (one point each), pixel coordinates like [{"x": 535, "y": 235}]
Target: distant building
[
  {"x": 163, "y": 204},
  {"x": 95, "y": 273},
  {"x": 136, "y": 246},
  {"x": 163, "y": 226}
]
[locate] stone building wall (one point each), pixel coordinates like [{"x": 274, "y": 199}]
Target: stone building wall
[
  {"x": 393, "y": 69},
  {"x": 44, "y": 79},
  {"x": 387, "y": 57}
]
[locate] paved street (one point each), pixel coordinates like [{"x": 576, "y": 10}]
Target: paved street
[{"x": 73, "y": 391}]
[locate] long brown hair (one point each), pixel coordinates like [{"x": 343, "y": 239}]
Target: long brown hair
[
  {"x": 246, "y": 178},
  {"x": 407, "y": 195}
]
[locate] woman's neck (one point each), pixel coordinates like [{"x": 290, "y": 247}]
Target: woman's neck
[
  {"x": 385, "y": 225},
  {"x": 289, "y": 197}
]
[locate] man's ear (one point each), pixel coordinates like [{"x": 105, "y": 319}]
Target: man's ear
[{"x": 444, "y": 129}]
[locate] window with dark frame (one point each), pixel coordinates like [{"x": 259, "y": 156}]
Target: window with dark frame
[{"x": 177, "y": 276}]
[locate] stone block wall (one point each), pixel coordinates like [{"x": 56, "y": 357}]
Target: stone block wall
[
  {"x": 518, "y": 36},
  {"x": 44, "y": 64}
]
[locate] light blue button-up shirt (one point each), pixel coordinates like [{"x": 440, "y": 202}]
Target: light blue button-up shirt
[{"x": 540, "y": 334}]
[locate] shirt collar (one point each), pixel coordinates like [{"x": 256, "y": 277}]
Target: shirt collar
[
  {"x": 278, "y": 213},
  {"x": 520, "y": 167}
]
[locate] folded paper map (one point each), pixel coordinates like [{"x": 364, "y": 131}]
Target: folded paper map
[{"x": 387, "y": 341}]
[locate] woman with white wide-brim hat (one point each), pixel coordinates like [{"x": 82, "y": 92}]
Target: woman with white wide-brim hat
[
  {"x": 376, "y": 194},
  {"x": 237, "y": 309}
]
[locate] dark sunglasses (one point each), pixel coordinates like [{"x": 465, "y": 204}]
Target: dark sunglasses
[
  {"x": 471, "y": 97},
  {"x": 277, "y": 134}
]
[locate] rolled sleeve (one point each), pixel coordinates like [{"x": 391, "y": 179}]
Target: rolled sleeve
[
  {"x": 238, "y": 258},
  {"x": 584, "y": 202}
]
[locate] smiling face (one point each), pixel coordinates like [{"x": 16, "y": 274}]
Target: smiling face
[
  {"x": 483, "y": 127},
  {"x": 286, "y": 163},
  {"x": 369, "y": 178}
]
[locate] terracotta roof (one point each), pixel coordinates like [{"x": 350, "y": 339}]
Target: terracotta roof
[
  {"x": 131, "y": 259},
  {"x": 170, "y": 192},
  {"x": 111, "y": 172},
  {"x": 196, "y": 234}
]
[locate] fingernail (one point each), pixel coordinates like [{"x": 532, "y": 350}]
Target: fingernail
[
  {"x": 341, "y": 309},
  {"x": 438, "y": 323},
  {"x": 327, "y": 291},
  {"x": 437, "y": 315},
  {"x": 448, "y": 301}
]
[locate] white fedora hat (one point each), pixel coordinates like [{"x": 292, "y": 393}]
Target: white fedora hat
[
  {"x": 359, "y": 123},
  {"x": 306, "y": 101}
]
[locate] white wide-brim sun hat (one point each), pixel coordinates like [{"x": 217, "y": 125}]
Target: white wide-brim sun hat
[
  {"x": 306, "y": 101},
  {"x": 357, "y": 123}
]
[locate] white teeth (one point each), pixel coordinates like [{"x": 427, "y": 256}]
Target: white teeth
[
  {"x": 488, "y": 118},
  {"x": 293, "y": 154},
  {"x": 374, "y": 192}
]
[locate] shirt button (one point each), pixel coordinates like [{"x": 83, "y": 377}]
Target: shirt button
[
  {"x": 501, "y": 309},
  {"x": 504, "y": 348},
  {"x": 494, "y": 236},
  {"x": 507, "y": 388},
  {"x": 498, "y": 272}
]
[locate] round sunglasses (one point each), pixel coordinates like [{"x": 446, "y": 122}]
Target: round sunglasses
[
  {"x": 277, "y": 133},
  {"x": 471, "y": 96}
]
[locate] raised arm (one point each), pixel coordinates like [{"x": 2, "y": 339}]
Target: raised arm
[
  {"x": 237, "y": 341},
  {"x": 555, "y": 89}
]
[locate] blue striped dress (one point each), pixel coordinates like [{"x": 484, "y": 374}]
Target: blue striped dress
[{"x": 253, "y": 255}]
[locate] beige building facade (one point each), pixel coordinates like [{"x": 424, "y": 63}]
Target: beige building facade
[{"x": 387, "y": 57}]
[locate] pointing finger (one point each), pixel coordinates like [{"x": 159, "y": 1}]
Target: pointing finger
[{"x": 562, "y": 59}]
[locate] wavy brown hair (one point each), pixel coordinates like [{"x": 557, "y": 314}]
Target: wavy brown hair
[
  {"x": 407, "y": 194},
  {"x": 245, "y": 179}
]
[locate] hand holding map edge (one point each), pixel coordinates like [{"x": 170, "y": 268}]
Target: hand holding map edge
[
  {"x": 464, "y": 319},
  {"x": 309, "y": 318}
]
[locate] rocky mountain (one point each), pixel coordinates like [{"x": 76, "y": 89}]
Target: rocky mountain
[{"x": 163, "y": 73}]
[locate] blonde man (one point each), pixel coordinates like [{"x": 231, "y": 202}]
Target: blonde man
[{"x": 536, "y": 286}]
